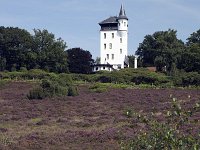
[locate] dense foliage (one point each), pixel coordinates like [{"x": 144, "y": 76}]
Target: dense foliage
[
  {"x": 59, "y": 85},
  {"x": 167, "y": 53},
  {"x": 19, "y": 49},
  {"x": 80, "y": 61},
  {"x": 160, "y": 49}
]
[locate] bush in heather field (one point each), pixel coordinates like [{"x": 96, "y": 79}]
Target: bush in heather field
[
  {"x": 170, "y": 134},
  {"x": 187, "y": 79},
  {"x": 36, "y": 93},
  {"x": 60, "y": 85},
  {"x": 130, "y": 75},
  {"x": 72, "y": 91}
]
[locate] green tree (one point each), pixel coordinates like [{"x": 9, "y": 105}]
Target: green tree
[
  {"x": 131, "y": 61},
  {"x": 160, "y": 49},
  {"x": 79, "y": 61},
  {"x": 15, "y": 44},
  {"x": 50, "y": 52},
  {"x": 160, "y": 63},
  {"x": 194, "y": 38},
  {"x": 190, "y": 58}
]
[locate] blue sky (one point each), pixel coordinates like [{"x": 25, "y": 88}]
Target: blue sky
[{"x": 76, "y": 21}]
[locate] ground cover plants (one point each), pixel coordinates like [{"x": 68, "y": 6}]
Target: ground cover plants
[
  {"x": 90, "y": 120},
  {"x": 170, "y": 134},
  {"x": 129, "y": 109}
]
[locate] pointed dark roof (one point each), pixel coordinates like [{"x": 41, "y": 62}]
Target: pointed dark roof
[
  {"x": 112, "y": 21},
  {"x": 109, "y": 20},
  {"x": 122, "y": 13}
]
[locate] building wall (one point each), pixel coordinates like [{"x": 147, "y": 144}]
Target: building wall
[
  {"x": 116, "y": 47},
  {"x": 98, "y": 68}
]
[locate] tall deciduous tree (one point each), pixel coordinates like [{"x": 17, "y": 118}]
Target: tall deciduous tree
[
  {"x": 18, "y": 48},
  {"x": 160, "y": 49},
  {"x": 50, "y": 51},
  {"x": 79, "y": 61},
  {"x": 190, "y": 58},
  {"x": 15, "y": 43}
]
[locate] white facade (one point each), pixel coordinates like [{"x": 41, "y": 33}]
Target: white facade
[{"x": 114, "y": 41}]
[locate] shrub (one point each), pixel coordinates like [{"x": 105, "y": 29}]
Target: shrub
[
  {"x": 130, "y": 75},
  {"x": 187, "y": 79},
  {"x": 72, "y": 91},
  {"x": 64, "y": 79},
  {"x": 54, "y": 86},
  {"x": 168, "y": 134},
  {"x": 36, "y": 93},
  {"x": 99, "y": 87},
  {"x": 104, "y": 79}
]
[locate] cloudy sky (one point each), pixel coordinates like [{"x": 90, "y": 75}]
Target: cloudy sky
[{"x": 76, "y": 21}]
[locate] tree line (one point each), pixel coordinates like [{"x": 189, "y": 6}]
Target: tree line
[
  {"x": 168, "y": 53},
  {"x": 21, "y": 50}
]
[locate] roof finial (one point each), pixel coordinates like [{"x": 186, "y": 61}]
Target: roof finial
[{"x": 122, "y": 13}]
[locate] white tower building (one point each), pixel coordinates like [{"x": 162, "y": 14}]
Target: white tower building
[{"x": 114, "y": 42}]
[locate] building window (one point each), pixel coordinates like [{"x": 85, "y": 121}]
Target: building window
[
  {"x": 104, "y": 35},
  {"x": 124, "y": 23},
  {"x": 104, "y": 46},
  {"x": 104, "y": 68},
  {"x": 97, "y": 68},
  {"x": 113, "y": 36},
  {"x": 120, "y": 40},
  {"x": 110, "y": 45},
  {"x": 112, "y": 56},
  {"x": 120, "y": 51},
  {"x": 107, "y": 56}
]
